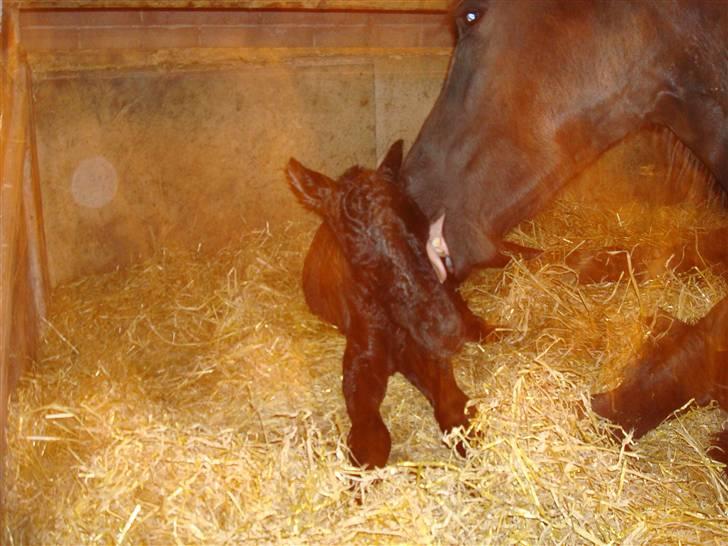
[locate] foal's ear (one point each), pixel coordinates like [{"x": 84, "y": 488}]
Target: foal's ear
[
  {"x": 392, "y": 161},
  {"x": 311, "y": 188}
]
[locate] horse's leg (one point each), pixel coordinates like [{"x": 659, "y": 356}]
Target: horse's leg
[
  {"x": 718, "y": 449},
  {"x": 706, "y": 248},
  {"x": 476, "y": 328},
  {"x": 604, "y": 265},
  {"x": 709, "y": 248},
  {"x": 688, "y": 362},
  {"x": 365, "y": 383}
]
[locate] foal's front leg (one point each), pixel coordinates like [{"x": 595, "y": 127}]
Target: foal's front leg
[
  {"x": 366, "y": 373},
  {"x": 435, "y": 379}
]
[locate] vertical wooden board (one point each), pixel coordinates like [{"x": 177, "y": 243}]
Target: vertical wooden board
[
  {"x": 14, "y": 121},
  {"x": 24, "y": 329},
  {"x": 3, "y": 326},
  {"x": 37, "y": 253}
]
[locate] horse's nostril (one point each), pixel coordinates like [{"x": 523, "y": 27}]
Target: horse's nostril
[{"x": 449, "y": 265}]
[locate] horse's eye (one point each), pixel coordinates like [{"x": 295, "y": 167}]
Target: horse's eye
[{"x": 471, "y": 16}]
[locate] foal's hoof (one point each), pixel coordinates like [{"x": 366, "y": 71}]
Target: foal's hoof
[
  {"x": 369, "y": 445},
  {"x": 462, "y": 439},
  {"x": 463, "y": 448}
]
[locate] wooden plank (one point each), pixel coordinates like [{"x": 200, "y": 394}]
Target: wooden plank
[
  {"x": 367, "y": 5},
  {"x": 25, "y": 328},
  {"x": 37, "y": 264},
  {"x": 4, "y": 92},
  {"x": 59, "y": 64},
  {"x": 14, "y": 108}
]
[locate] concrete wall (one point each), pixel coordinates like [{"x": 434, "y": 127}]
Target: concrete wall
[{"x": 132, "y": 160}]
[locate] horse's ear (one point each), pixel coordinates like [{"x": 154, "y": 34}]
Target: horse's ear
[
  {"x": 392, "y": 161},
  {"x": 312, "y": 189}
]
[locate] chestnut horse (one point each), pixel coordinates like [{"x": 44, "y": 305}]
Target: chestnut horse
[{"x": 536, "y": 91}]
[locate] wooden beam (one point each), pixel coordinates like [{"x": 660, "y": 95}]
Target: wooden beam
[
  {"x": 12, "y": 154},
  {"x": 46, "y": 65},
  {"x": 352, "y": 5}
]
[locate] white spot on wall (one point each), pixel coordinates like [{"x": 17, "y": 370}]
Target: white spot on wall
[{"x": 94, "y": 182}]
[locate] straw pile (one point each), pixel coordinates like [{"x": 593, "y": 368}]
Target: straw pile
[{"x": 194, "y": 400}]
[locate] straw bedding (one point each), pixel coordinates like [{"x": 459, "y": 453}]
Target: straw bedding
[{"x": 193, "y": 399}]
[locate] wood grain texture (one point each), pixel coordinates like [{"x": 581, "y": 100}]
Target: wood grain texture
[
  {"x": 37, "y": 262},
  {"x": 12, "y": 150},
  {"x": 368, "y": 5},
  {"x": 56, "y": 64},
  {"x": 22, "y": 295}
]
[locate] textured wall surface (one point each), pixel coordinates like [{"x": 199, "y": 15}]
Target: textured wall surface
[{"x": 132, "y": 161}]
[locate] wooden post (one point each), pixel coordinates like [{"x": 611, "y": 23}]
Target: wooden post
[{"x": 12, "y": 148}]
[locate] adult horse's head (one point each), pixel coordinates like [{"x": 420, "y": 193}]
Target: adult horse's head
[{"x": 538, "y": 89}]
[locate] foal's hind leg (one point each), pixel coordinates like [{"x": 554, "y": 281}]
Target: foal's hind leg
[{"x": 365, "y": 383}]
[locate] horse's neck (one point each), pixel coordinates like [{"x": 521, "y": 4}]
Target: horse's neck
[{"x": 694, "y": 102}]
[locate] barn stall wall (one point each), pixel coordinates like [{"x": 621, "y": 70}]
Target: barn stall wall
[
  {"x": 23, "y": 270},
  {"x": 129, "y": 126},
  {"x": 163, "y": 126},
  {"x": 189, "y": 143}
]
